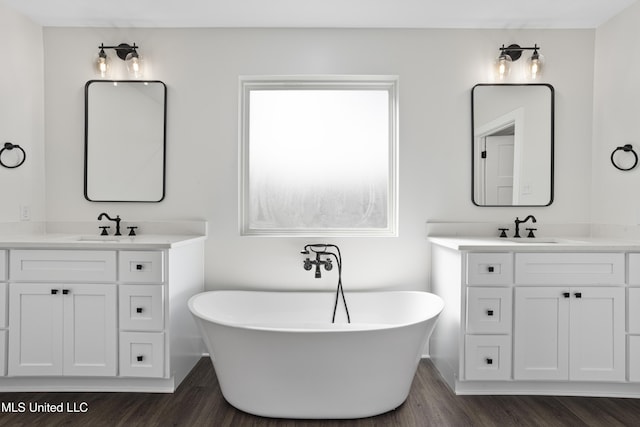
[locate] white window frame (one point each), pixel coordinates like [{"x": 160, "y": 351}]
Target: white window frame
[{"x": 328, "y": 82}]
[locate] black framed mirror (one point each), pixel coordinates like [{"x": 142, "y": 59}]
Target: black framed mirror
[
  {"x": 512, "y": 144},
  {"x": 125, "y": 140}
]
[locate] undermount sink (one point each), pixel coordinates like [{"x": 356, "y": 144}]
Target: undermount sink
[
  {"x": 98, "y": 239},
  {"x": 542, "y": 240}
]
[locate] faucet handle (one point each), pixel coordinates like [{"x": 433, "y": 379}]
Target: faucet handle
[
  {"x": 307, "y": 264},
  {"x": 104, "y": 230},
  {"x": 531, "y": 230},
  {"x": 132, "y": 231},
  {"x": 503, "y": 232},
  {"x": 328, "y": 265}
]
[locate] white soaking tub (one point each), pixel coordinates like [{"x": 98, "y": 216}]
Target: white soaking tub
[{"x": 277, "y": 354}]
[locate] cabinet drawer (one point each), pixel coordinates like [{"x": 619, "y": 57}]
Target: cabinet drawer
[
  {"x": 141, "y": 266},
  {"x": 4, "y": 306},
  {"x": 487, "y": 357},
  {"x": 62, "y": 265},
  {"x": 633, "y": 310},
  {"x": 570, "y": 269},
  {"x": 634, "y": 358},
  {"x": 489, "y": 268},
  {"x": 634, "y": 269},
  {"x": 3, "y": 353},
  {"x": 489, "y": 310},
  {"x": 3, "y": 265},
  {"x": 141, "y": 307},
  {"x": 142, "y": 354}
]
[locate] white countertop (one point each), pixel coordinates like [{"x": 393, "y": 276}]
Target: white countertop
[
  {"x": 82, "y": 241},
  {"x": 536, "y": 244},
  {"x": 85, "y": 235}
]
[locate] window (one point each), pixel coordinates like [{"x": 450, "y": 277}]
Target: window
[{"x": 319, "y": 156}]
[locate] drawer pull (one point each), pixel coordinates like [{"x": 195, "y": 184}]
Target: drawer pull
[
  {"x": 566, "y": 294},
  {"x": 489, "y": 312},
  {"x": 138, "y": 309},
  {"x": 54, "y": 291},
  {"x": 578, "y": 294},
  {"x": 65, "y": 292},
  {"x": 490, "y": 269},
  {"x": 140, "y": 358},
  {"x": 489, "y": 361},
  {"x": 138, "y": 267}
]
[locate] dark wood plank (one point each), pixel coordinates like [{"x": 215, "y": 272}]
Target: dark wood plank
[{"x": 199, "y": 402}]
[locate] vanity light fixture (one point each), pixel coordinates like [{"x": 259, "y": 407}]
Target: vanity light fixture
[
  {"x": 513, "y": 52},
  {"x": 126, "y": 52}
]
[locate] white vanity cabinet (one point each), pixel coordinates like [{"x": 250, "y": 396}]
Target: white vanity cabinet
[
  {"x": 94, "y": 319},
  {"x": 536, "y": 321},
  {"x": 4, "y": 313}
]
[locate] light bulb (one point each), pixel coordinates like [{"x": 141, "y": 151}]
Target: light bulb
[
  {"x": 134, "y": 65},
  {"x": 503, "y": 66},
  {"x": 102, "y": 64},
  {"x": 535, "y": 66}
]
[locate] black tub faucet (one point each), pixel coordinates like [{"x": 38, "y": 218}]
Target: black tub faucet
[
  {"x": 308, "y": 264},
  {"x": 116, "y": 220},
  {"x": 518, "y": 222}
]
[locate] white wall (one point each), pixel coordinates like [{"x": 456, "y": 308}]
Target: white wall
[
  {"x": 21, "y": 115},
  {"x": 437, "y": 70},
  {"x": 616, "y": 194}
]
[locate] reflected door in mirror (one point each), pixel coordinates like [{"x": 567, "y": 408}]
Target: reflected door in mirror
[
  {"x": 512, "y": 144},
  {"x": 125, "y": 141}
]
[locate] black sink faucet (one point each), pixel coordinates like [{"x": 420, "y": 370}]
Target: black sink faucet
[
  {"x": 116, "y": 220},
  {"x": 518, "y": 222}
]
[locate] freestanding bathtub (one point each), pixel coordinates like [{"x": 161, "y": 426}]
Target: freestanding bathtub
[{"x": 277, "y": 354}]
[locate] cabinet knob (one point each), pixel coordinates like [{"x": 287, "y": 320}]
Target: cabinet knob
[
  {"x": 489, "y": 312},
  {"x": 138, "y": 309},
  {"x": 578, "y": 294},
  {"x": 138, "y": 266},
  {"x": 140, "y": 358},
  {"x": 566, "y": 294},
  {"x": 489, "y": 361},
  {"x": 65, "y": 292},
  {"x": 490, "y": 269},
  {"x": 54, "y": 291}
]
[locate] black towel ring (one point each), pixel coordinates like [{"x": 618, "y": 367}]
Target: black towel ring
[
  {"x": 627, "y": 148},
  {"x": 9, "y": 146}
]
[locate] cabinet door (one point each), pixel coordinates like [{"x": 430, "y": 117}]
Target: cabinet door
[
  {"x": 35, "y": 334},
  {"x": 4, "y": 307},
  {"x": 90, "y": 330},
  {"x": 3, "y": 353},
  {"x": 597, "y": 334},
  {"x": 3, "y": 265},
  {"x": 541, "y": 334},
  {"x": 634, "y": 310}
]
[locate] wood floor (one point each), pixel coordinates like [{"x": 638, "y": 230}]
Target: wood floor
[{"x": 199, "y": 402}]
